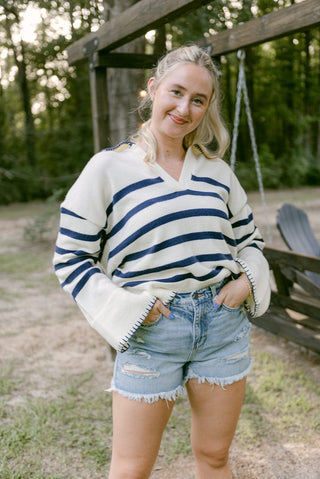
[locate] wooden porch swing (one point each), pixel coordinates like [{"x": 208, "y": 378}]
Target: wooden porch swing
[{"x": 293, "y": 314}]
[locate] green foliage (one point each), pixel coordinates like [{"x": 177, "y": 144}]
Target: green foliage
[{"x": 59, "y": 97}]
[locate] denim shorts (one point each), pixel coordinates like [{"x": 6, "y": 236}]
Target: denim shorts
[{"x": 201, "y": 342}]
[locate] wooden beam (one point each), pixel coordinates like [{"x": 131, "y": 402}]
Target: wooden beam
[
  {"x": 132, "y": 23},
  {"x": 124, "y": 60},
  {"x": 297, "y": 17}
]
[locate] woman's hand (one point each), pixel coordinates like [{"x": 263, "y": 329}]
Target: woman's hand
[
  {"x": 234, "y": 293},
  {"x": 157, "y": 309}
]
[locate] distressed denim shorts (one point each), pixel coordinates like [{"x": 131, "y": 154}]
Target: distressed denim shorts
[{"x": 201, "y": 342}]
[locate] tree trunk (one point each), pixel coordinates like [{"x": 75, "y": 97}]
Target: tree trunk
[
  {"x": 123, "y": 84},
  {"x": 307, "y": 85},
  {"x": 19, "y": 57}
]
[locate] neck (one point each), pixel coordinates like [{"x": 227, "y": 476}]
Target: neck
[
  {"x": 170, "y": 149},
  {"x": 167, "y": 155}
]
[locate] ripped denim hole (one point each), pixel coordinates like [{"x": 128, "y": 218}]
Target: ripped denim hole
[
  {"x": 240, "y": 355},
  {"x": 139, "y": 340},
  {"x": 136, "y": 370}
]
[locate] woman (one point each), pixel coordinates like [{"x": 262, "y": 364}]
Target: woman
[{"x": 158, "y": 247}]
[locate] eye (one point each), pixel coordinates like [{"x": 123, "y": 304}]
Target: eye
[
  {"x": 198, "y": 101},
  {"x": 176, "y": 92}
]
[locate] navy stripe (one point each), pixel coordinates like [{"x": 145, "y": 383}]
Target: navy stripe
[
  {"x": 243, "y": 222},
  {"x": 253, "y": 245},
  {"x": 70, "y": 213},
  {"x": 129, "y": 189},
  {"x": 113, "y": 148},
  {"x": 71, "y": 251},
  {"x": 69, "y": 263},
  {"x": 245, "y": 237},
  {"x": 158, "y": 199},
  {"x": 164, "y": 220},
  {"x": 202, "y": 235},
  {"x": 177, "y": 264},
  {"x": 177, "y": 278},
  {"x": 84, "y": 280},
  {"x": 80, "y": 236},
  {"x": 76, "y": 273},
  {"x": 210, "y": 181}
]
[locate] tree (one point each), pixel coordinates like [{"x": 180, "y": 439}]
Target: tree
[{"x": 11, "y": 12}]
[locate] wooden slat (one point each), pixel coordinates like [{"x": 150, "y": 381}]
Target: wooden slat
[
  {"x": 294, "y": 260},
  {"x": 296, "y": 305},
  {"x": 277, "y": 24},
  {"x": 132, "y": 23},
  {"x": 304, "y": 331},
  {"x": 271, "y": 321}
]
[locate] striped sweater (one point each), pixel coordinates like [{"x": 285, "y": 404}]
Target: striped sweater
[{"x": 130, "y": 233}]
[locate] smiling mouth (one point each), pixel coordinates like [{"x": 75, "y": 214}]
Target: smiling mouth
[{"x": 178, "y": 120}]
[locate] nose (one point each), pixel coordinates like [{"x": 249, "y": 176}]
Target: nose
[{"x": 183, "y": 107}]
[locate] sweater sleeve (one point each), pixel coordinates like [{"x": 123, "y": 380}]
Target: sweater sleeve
[
  {"x": 114, "y": 312},
  {"x": 250, "y": 244}
]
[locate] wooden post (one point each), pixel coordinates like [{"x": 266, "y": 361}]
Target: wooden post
[
  {"x": 99, "y": 96},
  {"x": 99, "y": 107}
]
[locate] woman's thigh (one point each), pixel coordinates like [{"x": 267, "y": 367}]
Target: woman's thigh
[
  {"x": 215, "y": 413},
  {"x": 137, "y": 430}
]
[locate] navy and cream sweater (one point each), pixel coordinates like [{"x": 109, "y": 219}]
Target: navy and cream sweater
[{"x": 130, "y": 233}]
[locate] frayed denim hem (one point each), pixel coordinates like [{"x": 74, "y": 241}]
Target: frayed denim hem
[
  {"x": 223, "y": 382},
  {"x": 150, "y": 398}
]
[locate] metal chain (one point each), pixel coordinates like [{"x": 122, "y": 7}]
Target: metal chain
[{"x": 242, "y": 86}]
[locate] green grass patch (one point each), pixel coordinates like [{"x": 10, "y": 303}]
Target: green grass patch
[
  {"x": 22, "y": 210},
  {"x": 19, "y": 264},
  {"x": 278, "y": 399},
  {"x": 8, "y": 383},
  {"x": 77, "y": 423},
  {"x": 32, "y": 267},
  {"x": 176, "y": 438}
]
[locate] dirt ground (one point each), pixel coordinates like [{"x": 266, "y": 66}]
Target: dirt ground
[{"x": 31, "y": 317}]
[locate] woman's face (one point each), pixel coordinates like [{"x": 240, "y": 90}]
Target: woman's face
[{"x": 180, "y": 101}]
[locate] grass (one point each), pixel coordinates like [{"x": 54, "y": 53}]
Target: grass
[
  {"x": 278, "y": 399},
  {"x": 75, "y": 426},
  {"x": 31, "y": 266}
]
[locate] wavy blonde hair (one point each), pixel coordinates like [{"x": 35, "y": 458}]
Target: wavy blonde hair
[{"x": 211, "y": 126}]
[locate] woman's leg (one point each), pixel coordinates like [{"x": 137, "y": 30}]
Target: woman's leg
[
  {"x": 215, "y": 413},
  {"x": 137, "y": 432}
]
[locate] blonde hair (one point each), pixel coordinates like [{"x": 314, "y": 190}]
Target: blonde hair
[{"x": 211, "y": 126}]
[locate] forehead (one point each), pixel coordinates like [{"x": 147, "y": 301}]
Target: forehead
[{"x": 190, "y": 76}]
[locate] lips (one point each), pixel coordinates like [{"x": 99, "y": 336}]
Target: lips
[{"x": 177, "y": 119}]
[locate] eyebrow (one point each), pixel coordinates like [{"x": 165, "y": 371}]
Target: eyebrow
[{"x": 180, "y": 87}]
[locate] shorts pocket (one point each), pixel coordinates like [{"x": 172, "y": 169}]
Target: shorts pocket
[
  {"x": 228, "y": 308},
  {"x": 149, "y": 325}
]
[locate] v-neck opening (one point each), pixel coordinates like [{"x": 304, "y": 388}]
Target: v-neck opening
[{"x": 185, "y": 173}]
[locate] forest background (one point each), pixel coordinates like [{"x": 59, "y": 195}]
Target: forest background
[{"x": 45, "y": 114}]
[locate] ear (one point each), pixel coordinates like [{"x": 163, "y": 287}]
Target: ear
[{"x": 151, "y": 87}]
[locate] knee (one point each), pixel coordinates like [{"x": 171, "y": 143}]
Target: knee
[
  {"x": 129, "y": 470},
  {"x": 214, "y": 456}
]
